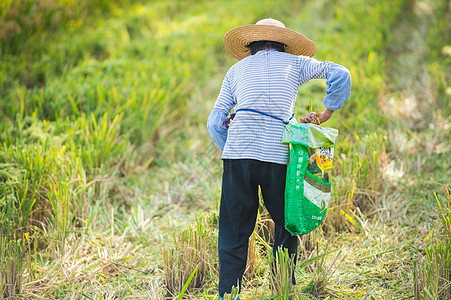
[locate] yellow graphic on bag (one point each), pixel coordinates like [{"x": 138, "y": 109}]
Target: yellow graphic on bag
[{"x": 324, "y": 158}]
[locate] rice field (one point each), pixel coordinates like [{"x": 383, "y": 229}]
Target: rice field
[{"x": 110, "y": 183}]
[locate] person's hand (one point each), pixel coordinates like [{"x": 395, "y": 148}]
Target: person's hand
[
  {"x": 308, "y": 118},
  {"x": 322, "y": 117}
]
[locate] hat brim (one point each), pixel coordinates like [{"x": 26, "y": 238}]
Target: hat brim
[{"x": 236, "y": 40}]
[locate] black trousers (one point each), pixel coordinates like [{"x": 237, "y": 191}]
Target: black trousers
[{"x": 238, "y": 213}]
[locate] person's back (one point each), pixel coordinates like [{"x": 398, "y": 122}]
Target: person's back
[{"x": 268, "y": 82}]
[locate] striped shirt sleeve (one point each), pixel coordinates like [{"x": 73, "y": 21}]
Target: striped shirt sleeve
[
  {"x": 225, "y": 101},
  {"x": 338, "y": 80},
  {"x": 312, "y": 69}
]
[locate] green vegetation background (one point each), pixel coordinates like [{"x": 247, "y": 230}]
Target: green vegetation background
[{"x": 105, "y": 159}]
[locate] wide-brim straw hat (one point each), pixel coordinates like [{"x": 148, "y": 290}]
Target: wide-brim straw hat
[{"x": 236, "y": 40}]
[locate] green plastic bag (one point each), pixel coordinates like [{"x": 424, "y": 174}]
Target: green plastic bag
[{"x": 308, "y": 187}]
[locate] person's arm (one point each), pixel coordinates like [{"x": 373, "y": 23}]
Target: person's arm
[
  {"x": 337, "y": 92},
  {"x": 311, "y": 68},
  {"x": 216, "y": 127},
  {"x": 219, "y": 114}
]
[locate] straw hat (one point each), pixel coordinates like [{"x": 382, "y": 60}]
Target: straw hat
[{"x": 236, "y": 40}]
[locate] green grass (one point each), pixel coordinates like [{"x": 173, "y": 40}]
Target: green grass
[{"x": 110, "y": 184}]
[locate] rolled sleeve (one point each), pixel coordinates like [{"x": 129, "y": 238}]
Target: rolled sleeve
[
  {"x": 217, "y": 130},
  {"x": 338, "y": 87}
]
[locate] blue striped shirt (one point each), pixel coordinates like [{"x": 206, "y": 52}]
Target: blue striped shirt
[{"x": 268, "y": 81}]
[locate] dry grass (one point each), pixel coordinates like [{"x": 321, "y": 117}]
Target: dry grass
[{"x": 191, "y": 249}]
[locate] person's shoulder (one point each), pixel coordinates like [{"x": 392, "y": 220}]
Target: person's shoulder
[
  {"x": 286, "y": 54},
  {"x": 291, "y": 57},
  {"x": 231, "y": 71},
  {"x": 240, "y": 65},
  {"x": 244, "y": 61},
  {"x": 304, "y": 57}
]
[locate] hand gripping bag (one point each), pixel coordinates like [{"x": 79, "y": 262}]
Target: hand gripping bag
[{"x": 308, "y": 187}]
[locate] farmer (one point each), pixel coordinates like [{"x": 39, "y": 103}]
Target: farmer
[{"x": 273, "y": 63}]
